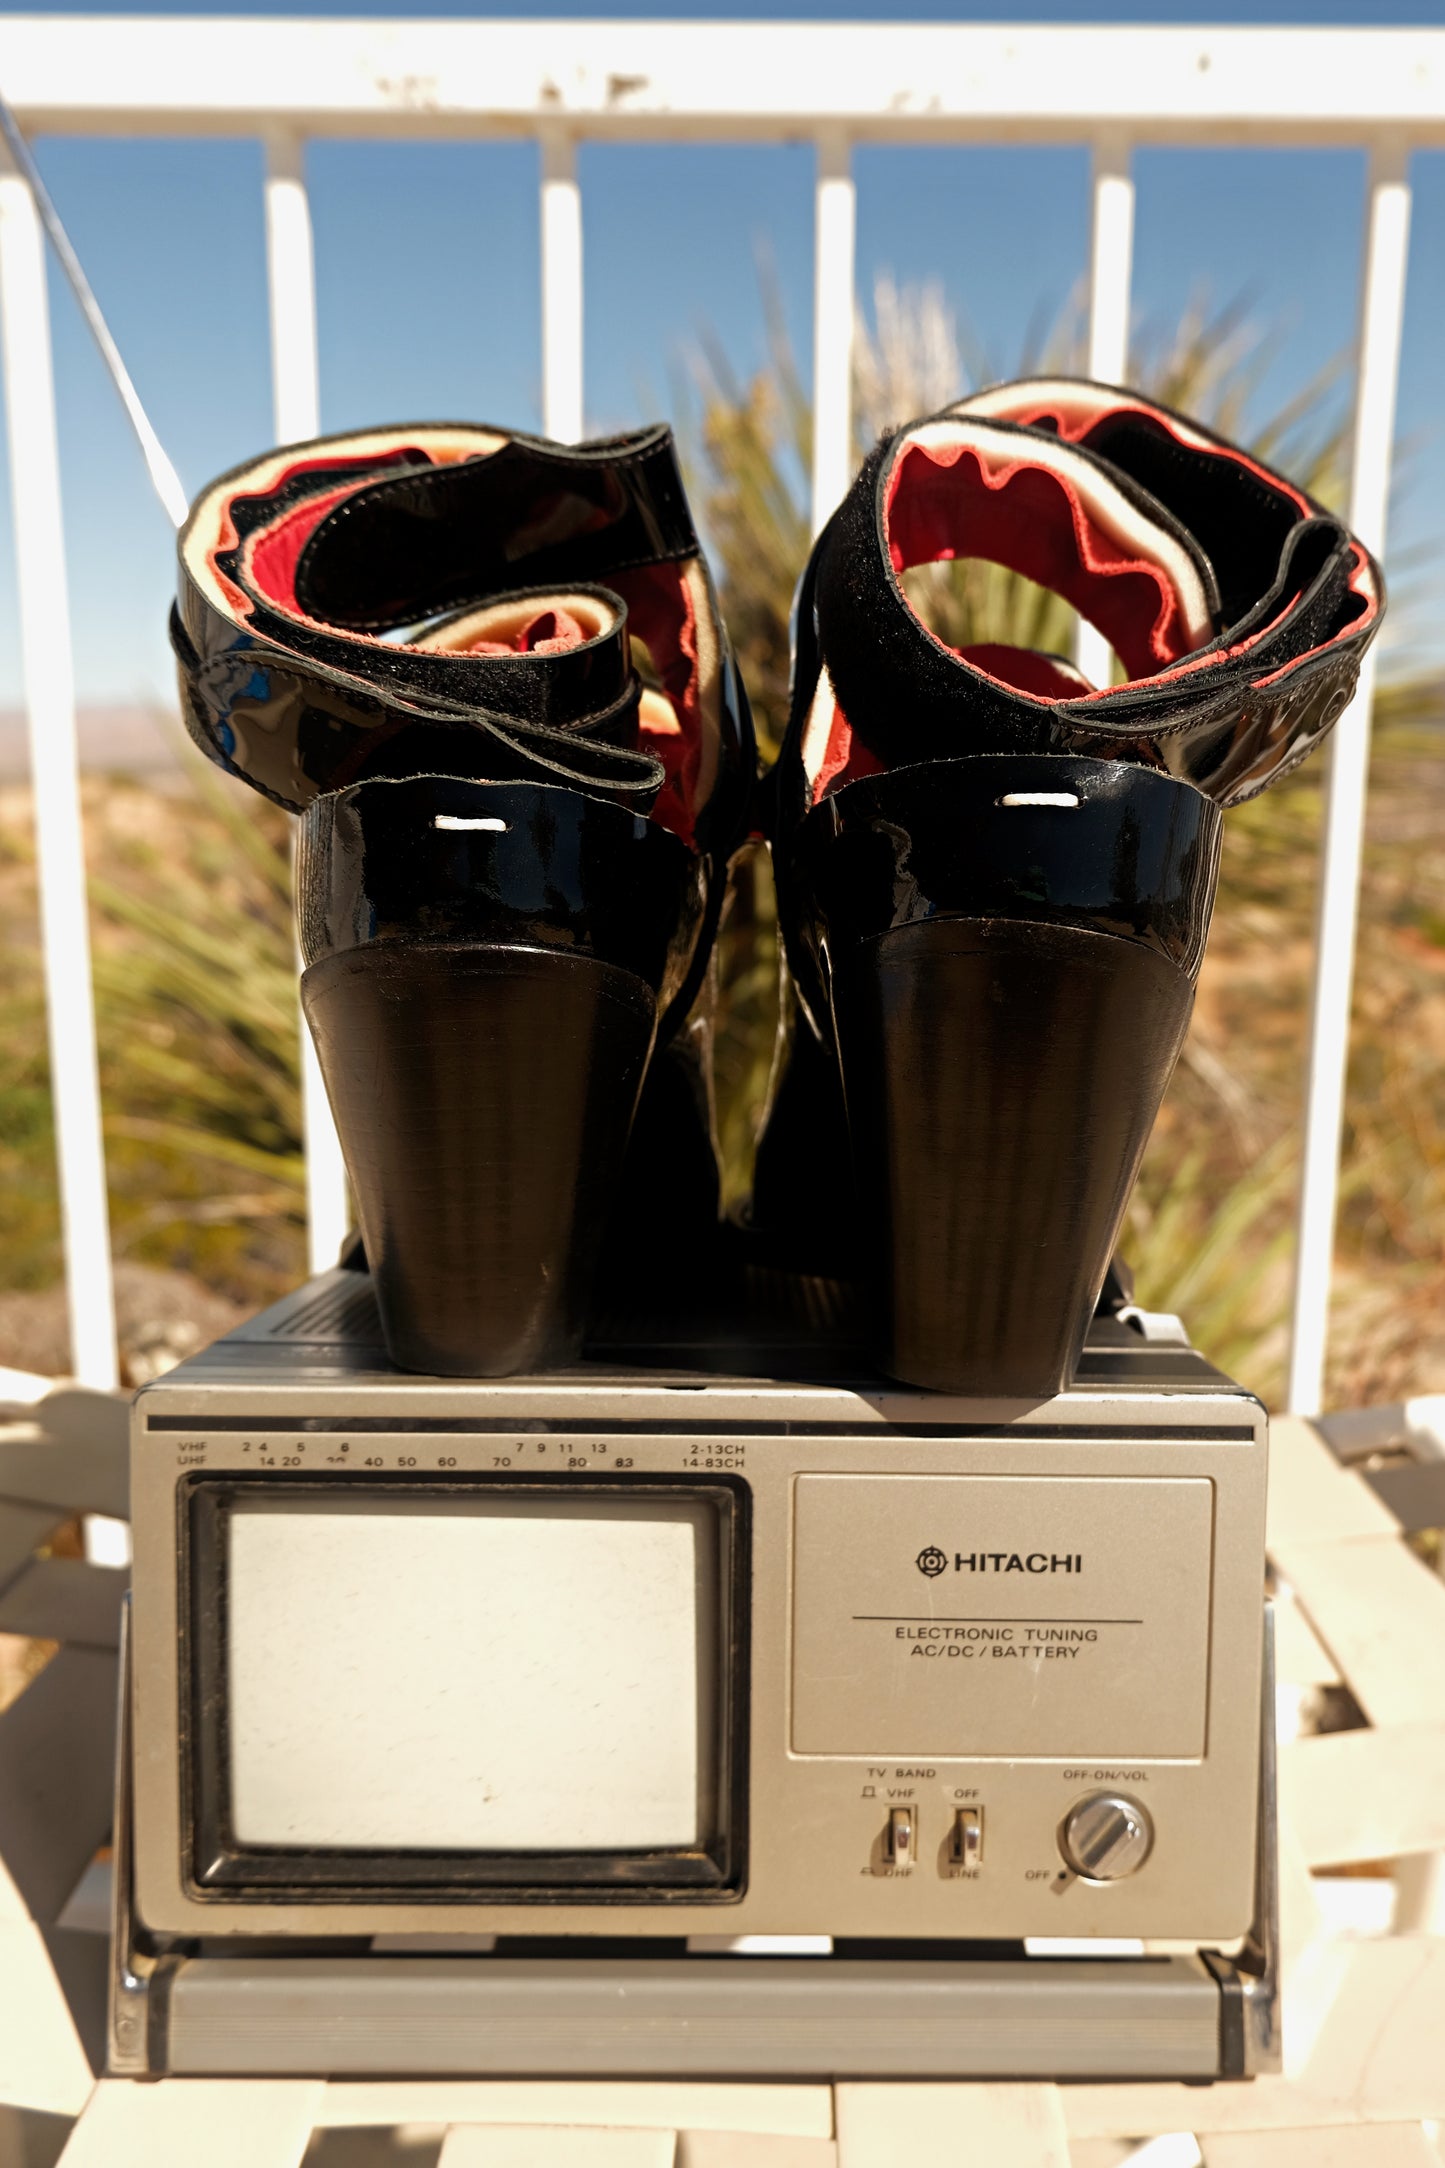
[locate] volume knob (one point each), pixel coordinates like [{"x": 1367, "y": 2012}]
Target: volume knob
[{"x": 1106, "y": 1836}]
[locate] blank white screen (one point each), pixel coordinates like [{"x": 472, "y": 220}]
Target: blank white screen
[{"x": 498, "y": 1675}]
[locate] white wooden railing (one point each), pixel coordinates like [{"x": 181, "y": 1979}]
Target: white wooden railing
[{"x": 1382, "y": 91}]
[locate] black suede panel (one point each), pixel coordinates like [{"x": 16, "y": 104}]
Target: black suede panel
[
  {"x": 1239, "y": 521},
  {"x": 899, "y": 688},
  {"x": 439, "y": 537},
  {"x": 1223, "y": 720},
  {"x": 561, "y": 689}
]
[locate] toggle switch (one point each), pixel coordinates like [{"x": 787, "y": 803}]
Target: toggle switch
[
  {"x": 900, "y": 1837},
  {"x": 966, "y": 1845}
]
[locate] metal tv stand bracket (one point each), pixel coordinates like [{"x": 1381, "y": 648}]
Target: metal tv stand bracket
[{"x": 490, "y": 1982}]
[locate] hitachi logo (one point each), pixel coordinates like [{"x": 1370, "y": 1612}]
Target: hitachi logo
[
  {"x": 1016, "y": 1562},
  {"x": 931, "y": 1561}
]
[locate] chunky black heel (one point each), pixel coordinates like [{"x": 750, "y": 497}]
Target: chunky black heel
[
  {"x": 484, "y": 1096},
  {"x": 1002, "y": 1081}
]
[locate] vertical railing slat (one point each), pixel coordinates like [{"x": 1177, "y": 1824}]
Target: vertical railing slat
[
  {"x": 1111, "y": 270},
  {"x": 291, "y": 275},
  {"x": 1382, "y": 313},
  {"x": 296, "y": 407},
  {"x": 561, "y": 288},
  {"x": 48, "y": 674},
  {"x": 834, "y": 230}
]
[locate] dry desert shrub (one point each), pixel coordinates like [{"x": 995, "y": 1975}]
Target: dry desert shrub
[{"x": 195, "y": 984}]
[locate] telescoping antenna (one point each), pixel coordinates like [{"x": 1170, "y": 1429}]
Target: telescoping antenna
[{"x": 164, "y": 479}]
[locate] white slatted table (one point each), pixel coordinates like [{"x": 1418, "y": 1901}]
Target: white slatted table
[{"x": 1364, "y": 2082}]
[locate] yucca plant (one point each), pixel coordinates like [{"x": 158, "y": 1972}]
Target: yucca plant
[
  {"x": 196, "y": 1013},
  {"x": 751, "y": 451},
  {"x": 195, "y": 980}
]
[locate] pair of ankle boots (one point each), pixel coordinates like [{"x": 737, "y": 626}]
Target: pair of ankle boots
[{"x": 489, "y": 674}]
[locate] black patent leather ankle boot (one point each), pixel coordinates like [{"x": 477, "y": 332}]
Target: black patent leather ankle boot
[
  {"x": 995, "y": 878},
  {"x": 426, "y": 642}
]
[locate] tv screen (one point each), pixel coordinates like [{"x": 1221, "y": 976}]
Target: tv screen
[{"x": 474, "y": 1673}]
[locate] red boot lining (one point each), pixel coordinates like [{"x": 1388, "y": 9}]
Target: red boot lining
[
  {"x": 947, "y": 501},
  {"x": 1046, "y": 677},
  {"x": 550, "y": 632},
  {"x": 660, "y": 611},
  {"x": 277, "y": 551},
  {"x": 845, "y": 759}
]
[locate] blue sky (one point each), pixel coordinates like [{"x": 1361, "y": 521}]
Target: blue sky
[{"x": 428, "y": 294}]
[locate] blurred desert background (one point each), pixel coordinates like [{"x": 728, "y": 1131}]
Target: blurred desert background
[{"x": 195, "y": 983}]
